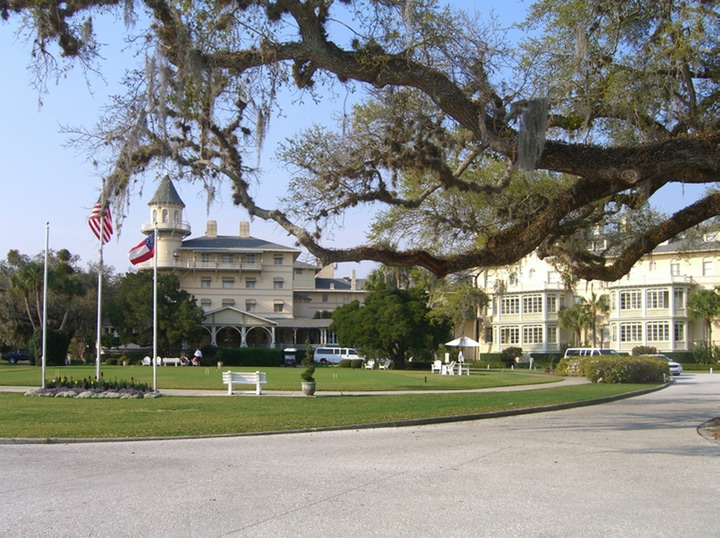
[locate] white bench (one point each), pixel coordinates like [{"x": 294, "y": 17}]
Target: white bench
[
  {"x": 176, "y": 361},
  {"x": 245, "y": 378}
]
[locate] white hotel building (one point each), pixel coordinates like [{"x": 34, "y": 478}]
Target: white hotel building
[
  {"x": 254, "y": 292},
  {"x": 648, "y": 307}
]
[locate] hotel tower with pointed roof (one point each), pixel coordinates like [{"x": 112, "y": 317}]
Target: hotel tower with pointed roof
[{"x": 254, "y": 292}]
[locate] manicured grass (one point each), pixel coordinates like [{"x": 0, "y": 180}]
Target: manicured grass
[
  {"x": 285, "y": 379},
  {"x": 57, "y": 418}
]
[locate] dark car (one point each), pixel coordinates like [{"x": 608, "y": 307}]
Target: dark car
[{"x": 18, "y": 355}]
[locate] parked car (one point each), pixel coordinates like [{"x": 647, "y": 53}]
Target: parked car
[
  {"x": 675, "y": 367},
  {"x": 589, "y": 352},
  {"x": 18, "y": 355},
  {"x": 333, "y": 355}
]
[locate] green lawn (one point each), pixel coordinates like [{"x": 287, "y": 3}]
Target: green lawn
[
  {"x": 286, "y": 379},
  {"x": 58, "y": 418},
  {"x": 50, "y": 418}
]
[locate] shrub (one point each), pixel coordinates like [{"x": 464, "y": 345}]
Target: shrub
[
  {"x": 309, "y": 364},
  {"x": 509, "y": 354},
  {"x": 625, "y": 369},
  {"x": 705, "y": 353},
  {"x": 644, "y": 350},
  {"x": 572, "y": 366}
]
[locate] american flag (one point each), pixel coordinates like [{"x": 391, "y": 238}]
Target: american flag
[{"x": 96, "y": 222}]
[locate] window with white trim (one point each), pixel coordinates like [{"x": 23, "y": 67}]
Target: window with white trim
[
  {"x": 278, "y": 259},
  {"x": 510, "y": 305},
  {"x": 552, "y": 303},
  {"x": 552, "y": 334},
  {"x": 679, "y": 331},
  {"x": 228, "y": 282},
  {"x": 679, "y": 299},
  {"x": 658, "y": 331},
  {"x": 509, "y": 335},
  {"x": 532, "y": 304},
  {"x": 250, "y": 305},
  {"x": 532, "y": 334},
  {"x": 631, "y": 300},
  {"x": 250, "y": 282},
  {"x": 278, "y": 283},
  {"x": 228, "y": 302},
  {"x": 657, "y": 298},
  {"x": 707, "y": 268},
  {"x": 205, "y": 281},
  {"x": 631, "y": 332},
  {"x": 675, "y": 269}
]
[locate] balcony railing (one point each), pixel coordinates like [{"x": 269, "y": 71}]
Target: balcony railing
[
  {"x": 162, "y": 226},
  {"x": 216, "y": 266}
]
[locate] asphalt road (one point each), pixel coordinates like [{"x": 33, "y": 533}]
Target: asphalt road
[{"x": 635, "y": 467}]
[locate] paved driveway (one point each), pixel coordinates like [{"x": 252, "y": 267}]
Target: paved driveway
[{"x": 635, "y": 467}]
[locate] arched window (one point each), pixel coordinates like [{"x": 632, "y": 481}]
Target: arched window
[
  {"x": 165, "y": 215},
  {"x": 154, "y": 216},
  {"x": 176, "y": 217}
]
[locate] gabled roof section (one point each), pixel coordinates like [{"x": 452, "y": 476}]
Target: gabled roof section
[
  {"x": 229, "y": 242},
  {"x": 166, "y": 194},
  {"x": 228, "y": 315}
]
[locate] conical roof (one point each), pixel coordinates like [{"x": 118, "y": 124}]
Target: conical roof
[{"x": 166, "y": 194}]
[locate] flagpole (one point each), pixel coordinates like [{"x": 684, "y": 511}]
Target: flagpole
[
  {"x": 100, "y": 275},
  {"x": 45, "y": 298},
  {"x": 155, "y": 268}
]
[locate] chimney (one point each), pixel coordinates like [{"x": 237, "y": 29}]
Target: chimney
[
  {"x": 211, "y": 230},
  {"x": 244, "y": 229},
  {"x": 353, "y": 280}
]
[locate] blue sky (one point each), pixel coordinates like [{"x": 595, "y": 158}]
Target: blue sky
[{"x": 42, "y": 180}]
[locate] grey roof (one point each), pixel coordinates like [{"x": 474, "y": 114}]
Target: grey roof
[
  {"x": 339, "y": 284},
  {"x": 304, "y": 265},
  {"x": 686, "y": 246},
  {"x": 166, "y": 194},
  {"x": 230, "y": 242}
]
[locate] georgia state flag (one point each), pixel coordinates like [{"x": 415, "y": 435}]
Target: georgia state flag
[{"x": 143, "y": 251}]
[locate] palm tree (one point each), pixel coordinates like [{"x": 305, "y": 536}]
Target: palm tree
[
  {"x": 572, "y": 319},
  {"x": 592, "y": 309},
  {"x": 28, "y": 282},
  {"x": 705, "y": 305}
]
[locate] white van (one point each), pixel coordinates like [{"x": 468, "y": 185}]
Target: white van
[
  {"x": 588, "y": 352},
  {"x": 333, "y": 355}
]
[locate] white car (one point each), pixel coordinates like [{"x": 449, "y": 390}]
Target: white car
[{"x": 675, "y": 367}]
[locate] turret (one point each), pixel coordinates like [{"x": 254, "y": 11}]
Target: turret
[{"x": 166, "y": 213}]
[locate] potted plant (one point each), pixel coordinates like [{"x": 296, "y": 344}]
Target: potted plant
[{"x": 308, "y": 381}]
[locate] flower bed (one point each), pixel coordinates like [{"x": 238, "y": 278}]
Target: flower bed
[
  {"x": 78, "y": 392},
  {"x": 93, "y": 388}
]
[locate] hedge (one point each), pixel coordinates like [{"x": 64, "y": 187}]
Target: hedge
[{"x": 609, "y": 369}]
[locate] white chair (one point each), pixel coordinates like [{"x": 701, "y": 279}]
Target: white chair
[
  {"x": 384, "y": 364},
  {"x": 448, "y": 369},
  {"x": 436, "y": 367},
  {"x": 369, "y": 365}
]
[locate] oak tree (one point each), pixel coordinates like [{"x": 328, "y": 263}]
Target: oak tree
[{"x": 474, "y": 150}]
